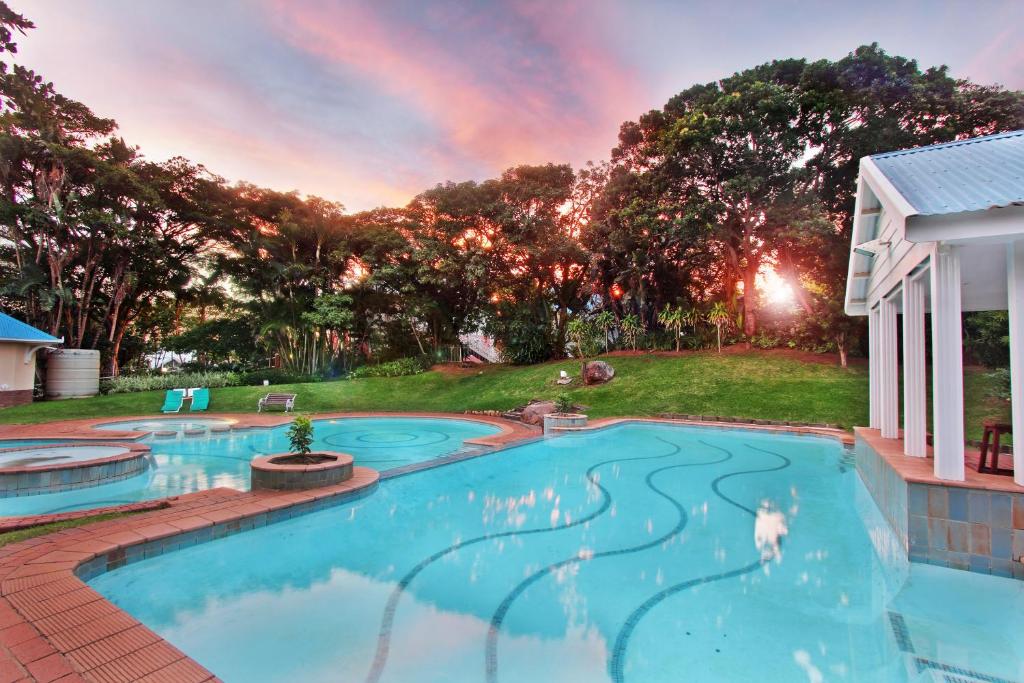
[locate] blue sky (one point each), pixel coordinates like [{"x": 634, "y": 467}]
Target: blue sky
[{"x": 370, "y": 103}]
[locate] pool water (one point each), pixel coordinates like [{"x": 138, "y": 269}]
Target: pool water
[
  {"x": 160, "y": 424},
  {"x": 185, "y": 464},
  {"x": 641, "y": 553},
  {"x": 32, "y": 456}
]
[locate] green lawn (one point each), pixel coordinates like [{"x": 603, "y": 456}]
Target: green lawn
[{"x": 751, "y": 385}]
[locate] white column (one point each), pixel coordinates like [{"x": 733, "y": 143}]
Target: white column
[
  {"x": 1015, "y": 301},
  {"x": 875, "y": 420},
  {"x": 947, "y": 365},
  {"x": 888, "y": 357},
  {"x": 915, "y": 415}
]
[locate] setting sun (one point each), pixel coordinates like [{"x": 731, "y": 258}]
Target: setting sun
[{"x": 777, "y": 290}]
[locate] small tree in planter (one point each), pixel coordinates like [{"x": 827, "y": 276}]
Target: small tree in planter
[
  {"x": 564, "y": 404},
  {"x": 300, "y": 436}
]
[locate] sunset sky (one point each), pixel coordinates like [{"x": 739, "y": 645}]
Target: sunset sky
[{"x": 370, "y": 103}]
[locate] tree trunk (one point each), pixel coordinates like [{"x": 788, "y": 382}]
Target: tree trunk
[
  {"x": 749, "y": 302},
  {"x": 841, "y": 345},
  {"x": 719, "y": 330}
]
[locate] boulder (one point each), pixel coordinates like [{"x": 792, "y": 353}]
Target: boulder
[
  {"x": 598, "y": 372},
  {"x": 534, "y": 413}
]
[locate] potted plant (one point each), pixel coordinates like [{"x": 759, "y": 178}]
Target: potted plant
[
  {"x": 564, "y": 417},
  {"x": 300, "y": 468}
]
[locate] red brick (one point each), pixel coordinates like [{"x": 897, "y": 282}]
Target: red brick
[{"x": 50, "y": 668}]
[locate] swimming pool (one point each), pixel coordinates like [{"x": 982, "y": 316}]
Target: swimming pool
[
  {"x": 641, "y": 553},
  {"x": 184, "y": 464}
]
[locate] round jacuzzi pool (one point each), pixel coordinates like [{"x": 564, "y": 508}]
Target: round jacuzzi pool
[{"x": 31, "y": 469}]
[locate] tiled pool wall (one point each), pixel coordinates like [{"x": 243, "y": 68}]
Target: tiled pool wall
[
  {"x": 116, "y": 559},
  {"x": 27, "y": 481},
  {"x": 950, "y": 526}
]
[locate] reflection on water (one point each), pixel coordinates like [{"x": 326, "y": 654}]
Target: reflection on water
[
  {"x": 193, "y": 463},
  {"x": 646, "y": 574},
  {"x": 769, "y": 529}
]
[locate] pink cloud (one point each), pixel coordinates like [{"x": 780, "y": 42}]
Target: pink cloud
[{"x": 539, "y": 87}]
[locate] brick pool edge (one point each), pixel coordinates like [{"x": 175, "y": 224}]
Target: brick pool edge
[{"x": 55, "y": 627}]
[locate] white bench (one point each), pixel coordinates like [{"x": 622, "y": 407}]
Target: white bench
[{"x": 286, "y": 401}]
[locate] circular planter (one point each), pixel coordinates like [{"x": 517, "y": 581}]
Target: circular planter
[
  {"x": 290, "y": 472},
  {"x": 555, "y": 422}
]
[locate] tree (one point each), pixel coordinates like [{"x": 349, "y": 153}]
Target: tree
[
  {"x": 719, "y": 317},
  {"x": 631, "y": 328},
  {"x": 605, "y": 320},
  {"x": 673, "y": 318}
]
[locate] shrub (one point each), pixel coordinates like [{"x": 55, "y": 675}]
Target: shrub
[
  {"x": 1000, "y": 388},
  {"x": 987, "y": 337},
  {"x": 564, "y": 404},
  {"x": 300, "y": 435},
  {"x": 180, "y": 380},
  {"x": 276, "y": 376},
  {"x": 395, "y": 368}
]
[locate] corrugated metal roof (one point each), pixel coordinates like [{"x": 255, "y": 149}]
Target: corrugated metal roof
[
  {"x": 968, "y": 175},
  {"x": 15, "y": 330}
]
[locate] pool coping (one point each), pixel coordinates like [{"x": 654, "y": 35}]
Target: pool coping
[{"x": 53, "y": 626}]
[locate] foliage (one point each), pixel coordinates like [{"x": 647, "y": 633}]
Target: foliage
[
  {"x": 162, "y": 381},
  {"x": 583, "y": 333},
  {"x": 564, "y": 404},
  {"x": 300, "y": 435},
  {"x": 522, "y": 339},
  {"x": 987, "y": 337},
  {"x": 275, "y": 376},
  {"x": 1000, "y": 383},
  {"x": 752, "y": 172},
  {"x": 719, "y": 317},
  {"x": 631, "y": 329},
  {"x": 395, "y": 368},
  {"x": 605, "y": 321},
  {"x": 755, "y": 384}
]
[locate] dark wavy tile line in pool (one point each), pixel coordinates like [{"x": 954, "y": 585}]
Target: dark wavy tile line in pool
[
  {"x": 954, "y": 674},
  {"x": 498, "y": 618},
  {"x": 388, "y": 618},
  {"x": 616, "y": 665}
]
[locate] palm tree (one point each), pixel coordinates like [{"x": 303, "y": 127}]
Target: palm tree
[
  {"x": 605, "y": 320},
  {"x": 673, "y": 318},
  {"x": 719, "y": 317}
]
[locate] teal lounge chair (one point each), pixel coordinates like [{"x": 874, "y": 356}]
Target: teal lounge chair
[
  {"x": 173, "y": 400},
  {"x": 200, "y": 400}
]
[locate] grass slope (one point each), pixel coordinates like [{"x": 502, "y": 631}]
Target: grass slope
[{"x": 753, "y": 384}]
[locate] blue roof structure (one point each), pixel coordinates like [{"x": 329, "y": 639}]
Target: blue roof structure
[
  {"x": 967, "y": 175},
  {"x": 15, "y": 330}
]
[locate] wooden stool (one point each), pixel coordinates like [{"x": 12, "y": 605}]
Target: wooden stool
[{"x": 993, "y": 429}]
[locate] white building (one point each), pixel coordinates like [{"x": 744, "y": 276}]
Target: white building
[{"x": 938, "y": 229}]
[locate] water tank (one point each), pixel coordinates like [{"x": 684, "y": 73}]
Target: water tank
[{"x": 72, "y": 373}]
